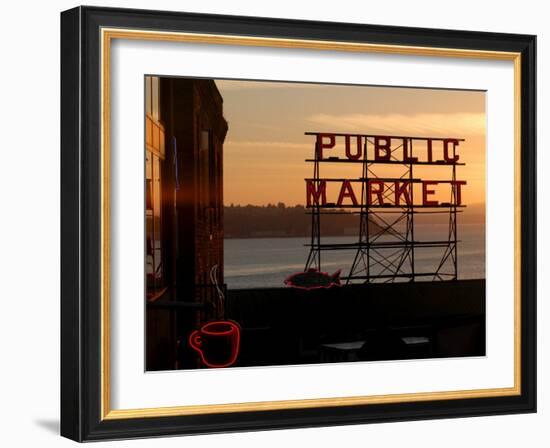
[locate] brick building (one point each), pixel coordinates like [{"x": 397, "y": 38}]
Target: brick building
[{"x": 185, "y": 131}]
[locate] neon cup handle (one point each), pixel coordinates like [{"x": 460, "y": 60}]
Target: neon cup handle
[{"x": 195, "y": 340}]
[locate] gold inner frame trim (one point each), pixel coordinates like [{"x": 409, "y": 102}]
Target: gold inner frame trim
[{"x": 107, "y": 35}]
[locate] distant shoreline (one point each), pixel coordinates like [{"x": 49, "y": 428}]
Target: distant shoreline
[
  {"x": 253, "y": 237},
  {"x": 281, "y": 221},
  {"x": 325, "y": 235}
]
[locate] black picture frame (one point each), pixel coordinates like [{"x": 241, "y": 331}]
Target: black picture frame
[{"x": 81, "y": 209}]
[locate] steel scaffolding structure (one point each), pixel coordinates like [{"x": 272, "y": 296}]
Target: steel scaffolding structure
[{"x": 386, "y": 249}]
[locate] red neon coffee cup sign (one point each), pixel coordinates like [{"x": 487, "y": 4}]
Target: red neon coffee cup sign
[{"x": 217, "y": 343}]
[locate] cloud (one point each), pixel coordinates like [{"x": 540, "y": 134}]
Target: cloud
[
  {"x": 258, "y": 144},
  {"x": 423, "y": 125}
]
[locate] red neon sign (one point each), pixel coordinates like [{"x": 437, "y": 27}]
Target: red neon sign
[
  {"x": 217, "y": 343},
  {"x": 379, "y": 192},
  {"x": 313, "y": 279}
]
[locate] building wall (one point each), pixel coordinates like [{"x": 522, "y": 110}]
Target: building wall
[
  {"x": 211, "y": 129},
  {"x": 195, "y": 129}
]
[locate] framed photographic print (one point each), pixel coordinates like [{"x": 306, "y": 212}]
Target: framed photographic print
[{"x": 273, "y": 223}]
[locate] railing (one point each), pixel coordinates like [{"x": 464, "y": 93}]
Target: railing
[{"x": 205, "y": 300}]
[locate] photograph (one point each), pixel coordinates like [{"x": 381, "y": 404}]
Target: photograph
[{"x": 292, "y": 223}]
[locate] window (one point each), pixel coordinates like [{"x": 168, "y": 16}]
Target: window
[
  {"x": 204, "y": 161},
  {"x": 152, "y": 97},
  {"x": 154, "y": 157}
]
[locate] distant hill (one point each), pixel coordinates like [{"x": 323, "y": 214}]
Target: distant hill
[
  {"x": 471, "y": 214},
  {"x": 272, "y": 221}
]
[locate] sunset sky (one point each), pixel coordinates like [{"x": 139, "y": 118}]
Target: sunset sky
[{"x": 265, "y": 147}]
